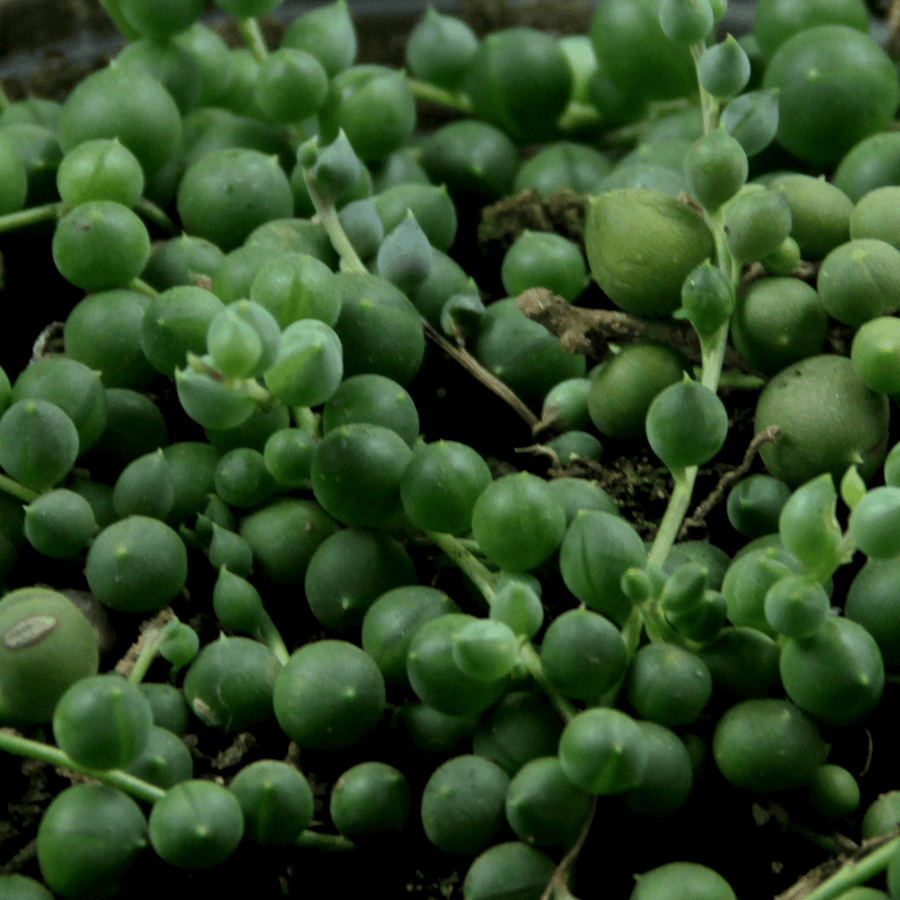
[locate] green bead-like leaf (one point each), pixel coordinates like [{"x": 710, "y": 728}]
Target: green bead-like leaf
[
  {"x": 145, "y": 487},
  {"x": 809, "y": 528},
  {"x": 336, "y": 170},
  {"x": 88, "y": 840},
  {"x": 518, "y": 606},
  {"x": 686, "y": 425},
  {"x": 60, "y": 524},
  {"x": 211, "y": 403},
  {"x": 707, "y": 298},
  {"x": 237, "y": 603},
  {"x": 196, "y": 825},
  {"x": 309, "y": 366},
  {"x": 796, "y": 606},
  {"x": 38, "y": 443},
  {"x": 757, "y": 222},
  {"x": 328, "y": 33},
  {"x": 724, "y": 68},
  {"x": 686, "y": 21},
  {"x": 243, "y": 339},
  {"x": 276, "y": 800},
  {"x": 179, "y": 644},
  {"x": 716, "y": 168},
  {"x": 602, "y": 751},
  {"x": 102, "y": 722},
  {"x": 875, "y": 523},
  {"x": 405, "y": 256},
  {"x": 752, "y": 119},
  {"x": 485, "y": 649}
]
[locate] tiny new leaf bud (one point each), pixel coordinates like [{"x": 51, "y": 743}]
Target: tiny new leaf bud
[
  {"x": 336, "y": 170},
  {"x": 716, "y": 167},
  {"x": 405, "y": 257},
  {"x": 796, "y": 606},
  {"x": 707, "y": 298},
  {"x": 724, "y": 68},
  {"x": 636, "y": 584},
  {"x": 307, "y": 152},
  {"x": 179, "y": 644},
  {"x": 686, "y": 21},
  {"x": 684, "y": 588},
  {"x": 752, "y": 119},
  {"x": 853, "y": 488},
  {"x": 243, "y": 339}
]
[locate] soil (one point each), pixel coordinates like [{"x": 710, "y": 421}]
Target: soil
[{"x": 761, "y": 848}]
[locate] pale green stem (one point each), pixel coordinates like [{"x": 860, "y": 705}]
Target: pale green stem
[
  {"x": 141, "y": 286},
  {"x": 480, "y": 574},
  {"x": 32, "y": 215},
  {"x": 724, "y": 261},
  {"x": 577, "y": 116},
  {"x": 328, "y": 218},
  {"x": 17, "y": 490},
  {"x": 423, "y": 90},
  {"x": 150, "y": 211},
  {"x": 632, "y": 629},
  {"x": 530, "y": 659},
  {"x": 713, "y": 355},
  {"x": 856, "y": 873},
  {"x": 306, "y": 420},
  {"x": 252, "y": 388},
  {"x": 249, "y": 386},
  {"x": 269, "y": 635},
  {"x": 116, "y": 778},
  {"x": 709, "y": 105},
  {"x": 148, "y": 652},
  {"x": 252, "y": 37},
  {"x": 674, "y": 515}
]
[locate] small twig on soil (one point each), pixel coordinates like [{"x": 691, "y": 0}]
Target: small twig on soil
[
  {"x": 558, "y": 881},
  {"x": 471, "y": 365},
  {"x": 588, "y": 331},
  {"x": 814, "y": 880},
  {"x": 766, "y": 436}
]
